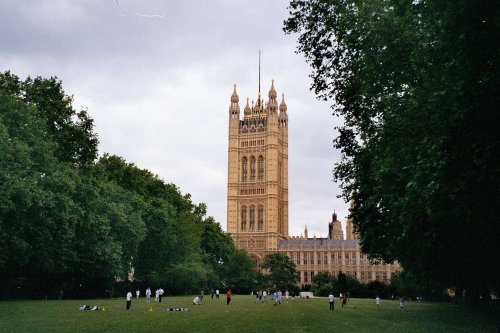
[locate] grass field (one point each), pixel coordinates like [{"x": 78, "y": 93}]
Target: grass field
[{"x": 242, "y": 315}]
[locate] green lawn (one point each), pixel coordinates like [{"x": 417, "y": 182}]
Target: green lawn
[{"x": 242, "y": 315}]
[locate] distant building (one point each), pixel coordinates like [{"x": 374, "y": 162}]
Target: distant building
[{"x": 257, "y": 198}]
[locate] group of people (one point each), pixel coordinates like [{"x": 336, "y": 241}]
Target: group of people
[
  {"x": 345, "y": 297},
  {"x": 261, "y": 296},
  {"x": 214, "y": 292},
  {"x": 158, "y": 294},
  {"x": 401, "y": 302},
  {"x": 331, "y": 299},
  {"x": 198, "y": 299}
]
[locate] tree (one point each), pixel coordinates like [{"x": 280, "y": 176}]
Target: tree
[
  {"x": 36, "y": 210},
  {"x": 238, "y": 271},
  {"x": 324, "y": 283},
  {"x": 416, "y": 84},
  {"x": 72, "y": 131},
  {"x": 282, "y": 272},
  {"x": 62, "y": 232},
  {"x": 75, "y": 227}
]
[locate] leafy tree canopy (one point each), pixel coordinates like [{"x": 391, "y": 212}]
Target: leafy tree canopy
[
  {"x": 282, "y": 272},
  {"x": 73, "y": 225},
  {"x": 416, "y": 83}
]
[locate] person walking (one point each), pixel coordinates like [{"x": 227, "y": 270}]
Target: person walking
[
  {"x": 129, "y": 300},
  {"x": 377, "y": 301},
  {"x": 344, "y": 299},
  {"x": 331, "y": 300},
  {"x": 228, "y": 296}
]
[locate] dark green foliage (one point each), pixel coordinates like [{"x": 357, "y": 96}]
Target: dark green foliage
[
  {"x": 71, "y": 226},
  {"x": 71, "y": 130},
  {"x": 416, "y": 83},
  {"x": 324, "y": 283},
  {"x": 282, "y": 272}
]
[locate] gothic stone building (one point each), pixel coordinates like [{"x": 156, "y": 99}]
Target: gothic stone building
[{"x": 257, "y": 198}]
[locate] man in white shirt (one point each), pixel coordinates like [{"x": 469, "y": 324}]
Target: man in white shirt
[
  {"x": 148, "y": 295},
  {"x": 160, "y": 294},
  {"x": 331, "y": 299},
  {"x": 217, "y": 294},
  {"x": 129, "y": 299}
]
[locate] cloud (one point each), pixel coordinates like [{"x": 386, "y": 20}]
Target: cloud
[{"x": 159, "y": 86}]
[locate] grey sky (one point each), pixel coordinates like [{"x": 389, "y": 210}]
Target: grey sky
[{"x": 157, "y": 76}]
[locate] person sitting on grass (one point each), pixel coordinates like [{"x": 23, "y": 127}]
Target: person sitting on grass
[{"x": 197, "y": 300}]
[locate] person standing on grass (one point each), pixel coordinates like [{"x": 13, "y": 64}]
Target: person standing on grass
[
  {"x": 401, "y": 303},
  {"x": 137, "y": 293},
  {"x": 228, "y": 296},
  {"x": 377, "y": 301},
  {"x": 217, "y": 293},
  {"x": 331, "y": 299},
  {"x": 344, "y": 300},
  {"x": 160, "y": 294},
  {"x": 148, "y": 295},
  {"x": 129, "y": 300}
]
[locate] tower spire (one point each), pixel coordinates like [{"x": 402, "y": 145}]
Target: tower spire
[{"x": 259, "y": 72}]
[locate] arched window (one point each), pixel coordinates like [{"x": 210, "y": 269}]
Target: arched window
[
  {"x": 260, "y": 218},
  {"x": 244, "y": 169},
  {"x": 252, "y": 218},
  {"x": 244, "y": 218},
  {"x": 261, "y": 168},
  {"x": 252, "y": 168}
]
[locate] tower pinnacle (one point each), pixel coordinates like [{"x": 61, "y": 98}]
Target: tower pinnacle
[
  {"x": 283, "y": 104},
  {"x": 272, "y": 91},
  {"x": 234, "y": 96}
]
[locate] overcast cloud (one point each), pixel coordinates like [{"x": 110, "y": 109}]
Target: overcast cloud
[{"x": 157, "y": 76}]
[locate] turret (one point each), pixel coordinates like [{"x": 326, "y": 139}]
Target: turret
[
  {"x": 335, "y": 228},
  {"x": 283, "y": 107},
  {"x": 247, "y": 110},
  {"x": 234, "y": 107},
  {"x": 272, "y": 104}
]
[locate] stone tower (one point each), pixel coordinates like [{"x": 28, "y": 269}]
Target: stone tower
[
  {"x": 257, "y": 189},
  {"x": 335, "y": 228}
]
